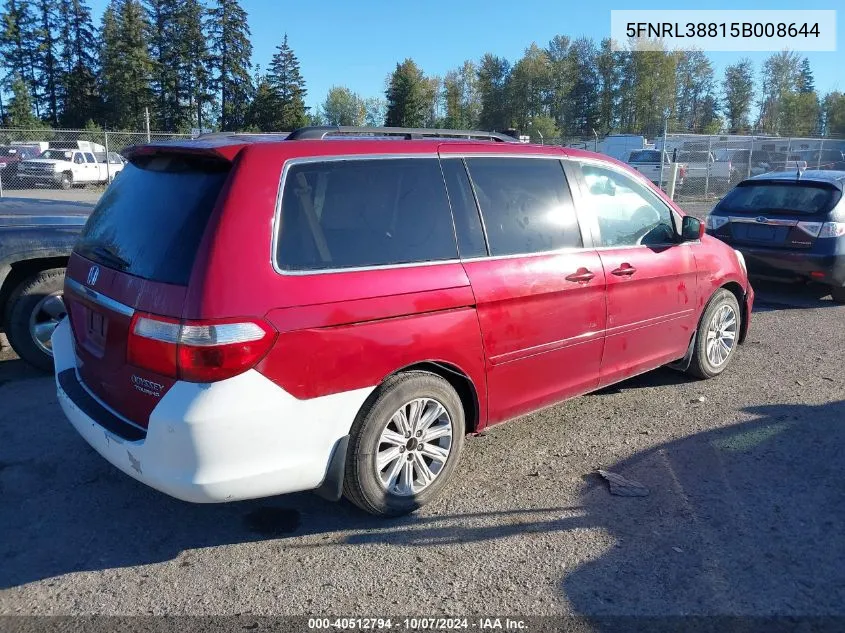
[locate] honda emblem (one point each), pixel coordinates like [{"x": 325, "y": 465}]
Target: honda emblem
[{"x": 93, "y": 274}]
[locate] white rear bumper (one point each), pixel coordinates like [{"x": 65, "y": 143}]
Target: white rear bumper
[{"x": 240, "y": 438}]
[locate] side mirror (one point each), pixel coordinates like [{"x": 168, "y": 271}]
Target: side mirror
[{"x": 691, "y": 229}]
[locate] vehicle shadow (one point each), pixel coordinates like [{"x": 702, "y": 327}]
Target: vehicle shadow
[
  {"x": 790, "y": 296},
  {"x": 64, "y": 509},
  {"x": 742, "y": 520},
  {"x": 13, "y": 368}
]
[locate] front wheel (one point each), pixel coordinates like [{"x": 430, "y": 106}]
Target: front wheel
[
  {"x": 66, "y": 181},
  {"x": 36, "y": 307},
  {"x": 404, "y": 445},
  {"x": 717, "y": 336}
]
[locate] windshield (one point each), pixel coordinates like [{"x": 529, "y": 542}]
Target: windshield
[
  {"x": 57, "y": 154},
  {"x": 781, "y": 197}
]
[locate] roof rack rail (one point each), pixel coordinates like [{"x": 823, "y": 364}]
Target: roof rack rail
[
  {"x": 320, "y": 132},
  {"x": 211, "y": 135}
]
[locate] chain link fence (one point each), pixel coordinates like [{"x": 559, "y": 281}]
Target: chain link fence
[
  {"x": 710, "y": 165},
  {"x": 41, "y": 162}
]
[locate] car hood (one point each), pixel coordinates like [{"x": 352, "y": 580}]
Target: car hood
[{"x": 29, "y": 211}]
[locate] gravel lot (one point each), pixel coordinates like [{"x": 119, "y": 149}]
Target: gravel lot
[{"x": 744, "y": 515}]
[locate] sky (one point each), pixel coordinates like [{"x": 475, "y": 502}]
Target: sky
[{"x": 357, "y": 44}]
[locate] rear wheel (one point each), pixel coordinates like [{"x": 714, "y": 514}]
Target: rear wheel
[
  {"x": 837, "y": 293},
  {"x": 405, "y": 444},
  {"x": 36, "y": 307},
  {"x": 717, "y": 336}
]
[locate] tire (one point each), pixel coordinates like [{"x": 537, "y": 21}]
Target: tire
[
  {"x": 30, "y": 304},
  {"x": 837, "y": 293},
  {"x": 66, "y": 181},
  {"x": 704, "y": 361},
  {"x": 363, "y": 484}
]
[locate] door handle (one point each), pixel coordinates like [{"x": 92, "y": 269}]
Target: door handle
[
  {"x": 625, "y": 270},
  {"x": 582, "y": 274}
]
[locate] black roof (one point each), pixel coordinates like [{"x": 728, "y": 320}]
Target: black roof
[{"x": 829, "y": 176}]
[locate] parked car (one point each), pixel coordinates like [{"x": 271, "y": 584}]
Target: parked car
[
  {"x": 36, "y": 238},
  {"x": 231, "y": 338},
  {"x": 647, "y": 162},
  {"x": 823, "y": 158},
  {"x": 68, "y": 167},
  {"x": 779, "y": 161},
  {"x": 704, "y": 171},
  {"x": 10, "y": 158},
  {"x": 788, "y": 228}
]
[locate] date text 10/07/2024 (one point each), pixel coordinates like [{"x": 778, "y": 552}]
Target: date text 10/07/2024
[
  {"x": 721, "y": 29},
  {"x": 418, "y": 624}
]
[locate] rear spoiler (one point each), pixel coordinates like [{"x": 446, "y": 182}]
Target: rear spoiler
[{"x": 196, "y": 147}]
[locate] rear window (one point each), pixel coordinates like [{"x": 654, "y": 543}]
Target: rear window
[
  {"x": 150, "y": 221},
  {"x": 644, "y": 157},
  {"x": 786, "y": 197},
  {"x": 368, "y": 212}
]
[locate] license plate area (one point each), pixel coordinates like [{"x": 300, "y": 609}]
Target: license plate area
[
  {"x": 761, "y": 233},
  {"x": 96, "y": 329}
]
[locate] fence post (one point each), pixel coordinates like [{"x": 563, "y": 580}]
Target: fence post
[
  {"x": 708, "y": 168},
  {"x": 819, "y": 160},
  {"x": 108, "y": 163},
  {"x": 750, "y": 155}
]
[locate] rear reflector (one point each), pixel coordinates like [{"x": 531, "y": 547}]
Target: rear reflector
[{"x": 197, "y": 351}]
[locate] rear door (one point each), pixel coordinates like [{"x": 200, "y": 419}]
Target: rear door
[
  {"x": 651, "y": 279},
  {"x": 79, "y": 169},
  {"x": 92, "y": 168},
  {"x": 136, "y": 253},
  {"x": 539, "y": 291}
]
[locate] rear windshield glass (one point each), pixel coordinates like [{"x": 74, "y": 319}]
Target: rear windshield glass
[
  {"x": 806, "y": 198},
  {"x": 353, "y": 213},
  {"x": 150, "y": 221},
  {"x": 645, "y": 157}
]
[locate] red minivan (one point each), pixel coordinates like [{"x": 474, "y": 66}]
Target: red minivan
[{"x": 335, "y": 310}]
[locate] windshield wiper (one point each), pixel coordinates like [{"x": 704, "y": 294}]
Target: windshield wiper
[{"x": 109, "y": 257}]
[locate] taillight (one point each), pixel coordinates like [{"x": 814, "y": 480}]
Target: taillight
[
  {"x": 197, "y": 351},
  {"x": 810, "y": 228},
  {"x": 715, "y": 222},
  {"x": 832, "y": 229}
]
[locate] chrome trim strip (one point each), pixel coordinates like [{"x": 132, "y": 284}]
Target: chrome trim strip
[
  {"x": 358, "y": 269},
  {"x": 43, "y": 220},
  {"x": 768, "y": 222},
  {"x": 99, "y": 298}
]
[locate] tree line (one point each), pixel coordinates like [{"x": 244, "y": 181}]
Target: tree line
[{"x": 188, "y": 64}]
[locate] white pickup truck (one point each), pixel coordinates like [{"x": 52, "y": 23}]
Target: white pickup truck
[
  {"x": 66, "y": 168},
  {"x": 647, "y": 162},
  {"x": 703, "y": 170}
]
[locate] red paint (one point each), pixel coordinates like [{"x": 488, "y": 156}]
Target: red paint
[{"x": 527, "y": 331}]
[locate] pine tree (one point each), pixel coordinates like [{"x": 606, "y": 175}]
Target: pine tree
[
  {"x": 126, "y": 65},
  {"x": 18, "y": 44},
  {"x": 407, "y": 96},
  {"x": 493, "y": 75},
  {"x": 19, "y": 113},
  {"x": 694, "y": 78},
  {"x": 806, "y": 82},
  {"x": 583, "y": 99},
  {"x": 194, "y": 71},
  {"x": 48, "y": 79},
  {"x": 289, "y": 87},
  {"x": 231, "y": 53},
  {"x": 738, "y": 95},
  {"x": 78, "y": 43},
  {"x": 609, "y": 65},
  {"x": 163, "y": 38}
]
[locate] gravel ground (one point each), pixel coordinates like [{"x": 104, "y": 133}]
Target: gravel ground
[{"x": 744, "y": 514}]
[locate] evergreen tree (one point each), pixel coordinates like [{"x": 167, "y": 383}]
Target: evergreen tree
[
  {"x": 694, "y": 97},
  {"x": 194, "y": 74},
  {"x": 264, "y": 110},
  {"x": 529, "y": 87},
  {"x": 408, "y": 96},
  {"x": 164, "y": 44},
  {"x": 609, "y": 64},
  {"x": 781, "y": 75},
  {"x": 231, "y": 54},
  {"x": 493, "y": 76},
  {"x": 562, "y": 77},
  {"x": 78, "y": 60},
  {"x": 48, "y": 77},
  {"x": 19, "y": 113},
  {"x": 738, "y": 95},
  {"x": 289, "y": 87},
  {"x": 18, "y": 44},
  {"x": 833, "y": 114},
  {"x": 806, "y": 82},
  {"x": 126, "y": 65},
  {"x": 583, "y": 98}
]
